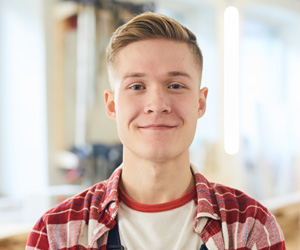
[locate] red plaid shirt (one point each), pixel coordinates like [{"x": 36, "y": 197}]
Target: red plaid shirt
[{"x": 235, "y": 221}]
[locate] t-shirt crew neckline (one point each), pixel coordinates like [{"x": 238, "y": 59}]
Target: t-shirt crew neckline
[{"x": 160, "y": 207}]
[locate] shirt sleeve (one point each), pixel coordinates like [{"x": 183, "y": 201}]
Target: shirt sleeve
[
  {"x": 38, "y": 238},
  {"x": 267, "y": 236}
]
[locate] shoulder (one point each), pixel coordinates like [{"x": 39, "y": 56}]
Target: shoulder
[
  {"x": 75, "y": 211},
  {"x": 238, "y": 219},
  {"x": 247, "y": 219},
  {"x": 234, "y": 203},
  {"x": 231, "y": 205},
  {"x": 78, "y": 215},
  {"x": 86, "y": 204},
  {"x": 79, "y": 207}
]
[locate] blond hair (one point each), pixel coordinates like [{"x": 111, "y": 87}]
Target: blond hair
[{"x": 148, "y": 26}]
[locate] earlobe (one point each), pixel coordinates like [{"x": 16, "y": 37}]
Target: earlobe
[
  {"x": 202, "y": 101},
  {"x": 109, "y": 97}
]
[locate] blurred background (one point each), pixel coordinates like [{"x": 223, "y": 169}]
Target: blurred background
[{"x": 56, "y": 140}]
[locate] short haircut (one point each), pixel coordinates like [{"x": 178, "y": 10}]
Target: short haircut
[{"x": 148, "y": 26}]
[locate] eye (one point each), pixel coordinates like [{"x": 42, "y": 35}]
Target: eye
[
  {"x": 175, "y": 86},
  {"x": 137, "y": 87}
]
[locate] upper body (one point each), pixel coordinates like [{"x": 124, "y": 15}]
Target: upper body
[
  {"x": 232, "y": 220},
  {"x": 155, "y": 68}
]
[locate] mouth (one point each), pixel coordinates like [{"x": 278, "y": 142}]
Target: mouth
[{"x": 157, "y": 127}]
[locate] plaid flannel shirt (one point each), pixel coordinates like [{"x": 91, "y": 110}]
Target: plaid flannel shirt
[{"x": 235, "y": 221}]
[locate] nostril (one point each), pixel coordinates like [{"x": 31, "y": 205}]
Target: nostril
[{"x": 157, "y": 104}]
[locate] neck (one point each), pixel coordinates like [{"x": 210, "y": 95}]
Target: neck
[{"x": 151, "y": 182}]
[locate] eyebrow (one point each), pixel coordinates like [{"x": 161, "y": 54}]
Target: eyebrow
[
  {"x": 179, "y": 73},
  {"x": 171, "y": 73},
  {"x": 134, "y": 75}
]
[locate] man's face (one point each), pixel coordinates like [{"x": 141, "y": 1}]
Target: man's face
[{"x": 157, "y": 100}]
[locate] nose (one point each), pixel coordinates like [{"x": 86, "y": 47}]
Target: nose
[{"x": 157, "y": 101}]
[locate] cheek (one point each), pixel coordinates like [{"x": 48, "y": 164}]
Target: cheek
[
  {"x": 126, "y": 110},
  {"x": 188, "y": 107}
]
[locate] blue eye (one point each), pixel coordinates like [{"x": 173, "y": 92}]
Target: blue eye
[
  {"x": 137, "y": 87},
  {"x": 175, "y": 86}
]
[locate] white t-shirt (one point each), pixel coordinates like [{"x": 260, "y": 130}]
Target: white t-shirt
[{"x": 160, "y": 226}]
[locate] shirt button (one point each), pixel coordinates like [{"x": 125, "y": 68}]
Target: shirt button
[{"x": 113, "y": 205}]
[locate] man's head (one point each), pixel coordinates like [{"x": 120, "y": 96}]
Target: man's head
[
  {"x": 150, "y": 26},
  {"x": 156, "y": 100}
]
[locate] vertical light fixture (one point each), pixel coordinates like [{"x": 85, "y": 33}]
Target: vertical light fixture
[
  {"x": 231, "y": 80},
  {"x": 86, "y": 50}
]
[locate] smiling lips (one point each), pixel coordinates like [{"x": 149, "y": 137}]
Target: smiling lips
[{"x": 157, "y": 127}]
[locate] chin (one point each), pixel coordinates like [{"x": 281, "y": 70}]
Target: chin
[{"x": 160, "y": 155}]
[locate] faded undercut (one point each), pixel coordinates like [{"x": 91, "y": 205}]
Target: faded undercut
[{"x": 148, "y": 26}]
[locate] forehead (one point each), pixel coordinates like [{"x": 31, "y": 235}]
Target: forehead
[{"x": 156, "y": 56}]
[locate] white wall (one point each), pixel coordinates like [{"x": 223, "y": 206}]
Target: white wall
[
  {"x": 23, "y": 139},
  {"x": 1, "y": 84}
]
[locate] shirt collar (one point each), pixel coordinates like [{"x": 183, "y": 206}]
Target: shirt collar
[
  {"x": 111, "y": 190},
  {"x": 206, "y": 201},
  {"x": 207, "y": 205}
]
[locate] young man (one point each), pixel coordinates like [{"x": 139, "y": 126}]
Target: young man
[{"x": 156, "y": 199}]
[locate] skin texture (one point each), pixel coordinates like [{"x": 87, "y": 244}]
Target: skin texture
[{"x": 156, "y": 103}]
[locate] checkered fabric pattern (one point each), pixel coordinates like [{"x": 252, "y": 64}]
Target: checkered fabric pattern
[{"x": 235, "y": 221}]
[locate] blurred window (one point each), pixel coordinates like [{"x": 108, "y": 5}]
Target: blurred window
[{"x": 270, "y": 79}]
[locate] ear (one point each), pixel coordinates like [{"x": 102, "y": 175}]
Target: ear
[
  {"x": 202, "y": 101},
  {"x": 109, "y": 97}
]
